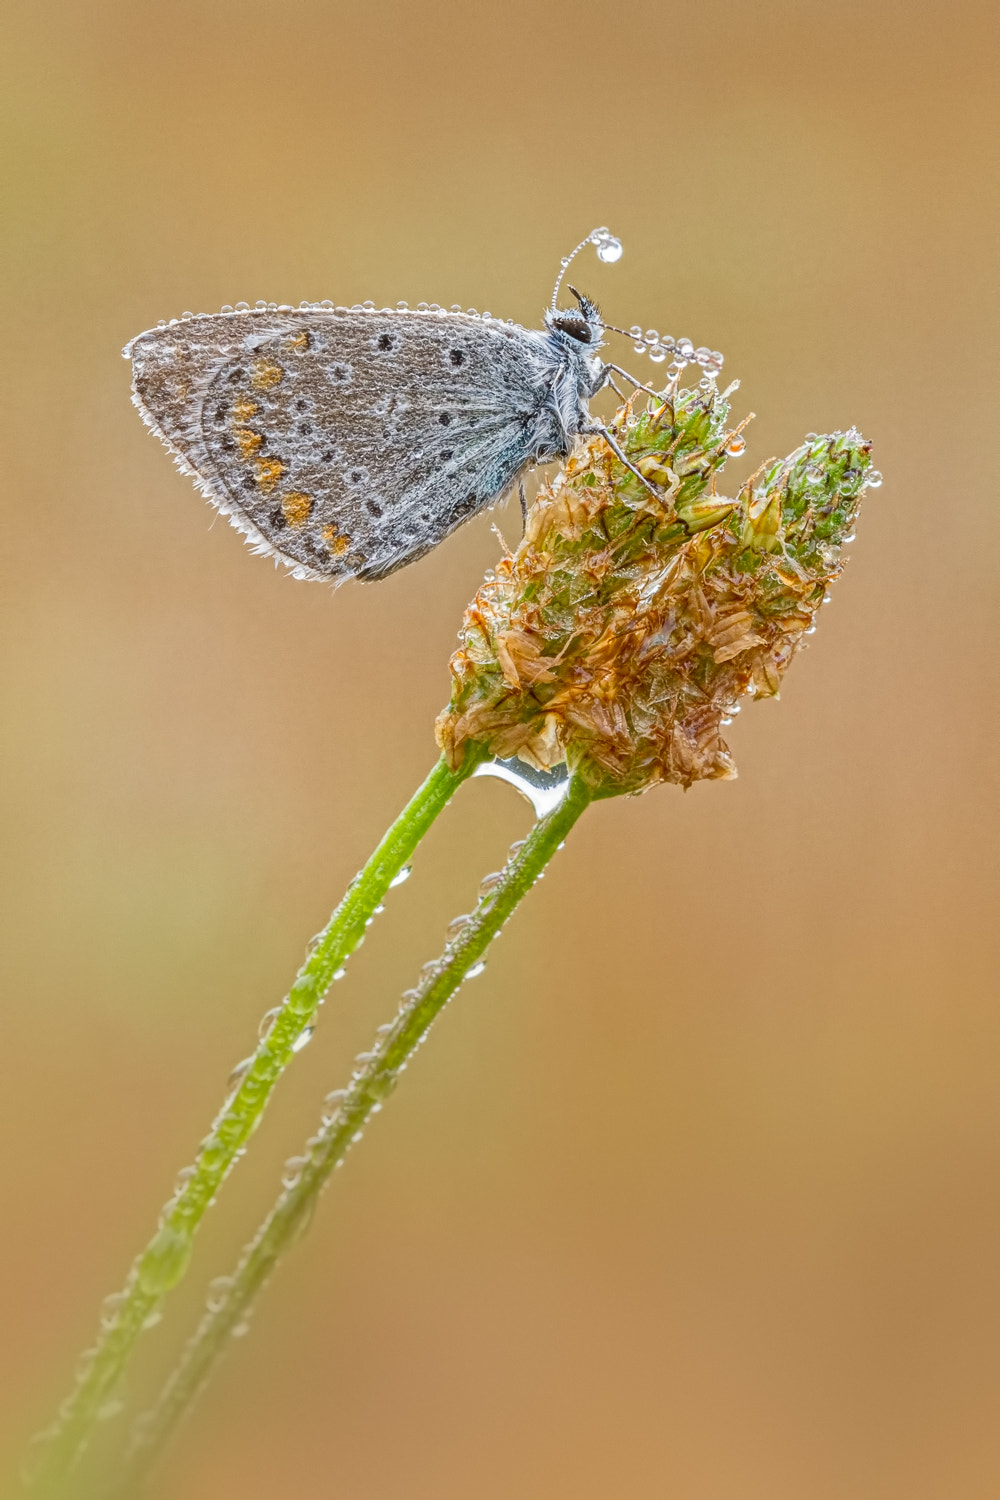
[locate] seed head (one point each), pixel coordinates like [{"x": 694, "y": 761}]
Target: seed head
[{"x": 627, "y": 625}]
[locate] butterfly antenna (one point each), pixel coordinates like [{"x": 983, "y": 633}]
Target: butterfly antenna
[{"x": 607, "y": 247}]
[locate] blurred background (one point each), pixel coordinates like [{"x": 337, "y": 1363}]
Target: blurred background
[{"x": 696, "y": 1191}]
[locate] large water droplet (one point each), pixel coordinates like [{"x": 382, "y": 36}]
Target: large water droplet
[
  {"x": 401, "y": 878},
  {"x": 543, "y": 789},
  {"x": 736, "y": 446},
  {"x": 476, "y": 970},
  {"x": 609, "y": 249}
]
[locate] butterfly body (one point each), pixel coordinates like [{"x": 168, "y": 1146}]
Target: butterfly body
[{"x": 347, "y": 442}]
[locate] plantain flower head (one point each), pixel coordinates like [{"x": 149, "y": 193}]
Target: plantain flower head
[{"x": 622, "y": 633}]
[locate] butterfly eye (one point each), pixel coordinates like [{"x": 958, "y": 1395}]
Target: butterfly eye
[{"x": 576, "y": 327}]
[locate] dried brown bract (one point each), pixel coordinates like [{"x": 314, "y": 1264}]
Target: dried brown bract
[{"x": 621, "y": 634}]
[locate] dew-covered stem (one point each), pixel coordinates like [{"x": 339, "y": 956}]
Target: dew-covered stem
[
  {"x": 348, "y": 1110},
  {"x": 163, "y": 1262}
]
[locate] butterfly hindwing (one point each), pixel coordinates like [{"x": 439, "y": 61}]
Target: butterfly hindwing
[{"x": 346, "y": 442}]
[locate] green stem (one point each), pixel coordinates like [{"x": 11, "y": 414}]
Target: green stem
[
  {"x": 163, "y": 1262},
  {"x": 373, "y": 1080}
]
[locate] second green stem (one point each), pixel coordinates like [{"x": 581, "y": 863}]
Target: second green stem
[{"x": 373, "y": 1080}]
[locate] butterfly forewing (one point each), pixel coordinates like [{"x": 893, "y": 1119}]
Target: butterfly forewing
[{"x": 346, "y": 442}]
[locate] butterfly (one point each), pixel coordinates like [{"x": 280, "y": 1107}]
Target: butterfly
[{"x": 348, "y": 442}]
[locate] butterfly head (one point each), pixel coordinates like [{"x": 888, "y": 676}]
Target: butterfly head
[{"x": 579, "y": 327}]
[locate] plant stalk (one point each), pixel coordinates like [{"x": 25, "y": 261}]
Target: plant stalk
[
  {"x": 164, "y": 1261},
  {"x": 374, "y": 1078}
]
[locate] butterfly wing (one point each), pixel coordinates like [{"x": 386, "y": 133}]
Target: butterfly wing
[{"x": 345, "y": 442}]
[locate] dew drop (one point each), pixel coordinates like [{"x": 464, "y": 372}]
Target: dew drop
[
  {"x": 292, "y": 1175},
  {"x": 111, "y": 1307},
  {"x": 401, "y": 878},
  {"x": 873, "y": 480},
  {"x": 810, "y": 630},
  {"x": 651, "y": 336},
  {"x": 378, "y": 910},
  {"x": 238, "y": 1074},
  {"x": 240, "y": 1330},
  {"x": 218, "y": 1292},
  {"x": 180, "y": 1183},
  {"x": 476, "y": 970},
  {"x": 402, "y": 306},
  {"x": 267, "y": 1023},
  {"x": 339, "y": 973},
  {"x": 658, "y": 355},
  {"x": 609, "y": 249},
  {"x": 489, "y": 883},
  {"x": 736, "y": 446},
  {"x": 242, "y": 307},
  {"x": 303, "y": 1039},
  {"x": 827, "y": 598},
  {"x": 639, "y": 348},
  {"x": 543, "y": 789},
  {"x": 454, "y": 928}
]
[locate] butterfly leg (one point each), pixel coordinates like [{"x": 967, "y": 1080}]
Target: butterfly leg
[
  {"x": 524, "y": 506},
  {"x": 598, "y": 428},
  {"x": 657, "y": 395}
]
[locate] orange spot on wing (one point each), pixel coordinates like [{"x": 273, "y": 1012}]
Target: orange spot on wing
[
  {"x": 298, "y": 341},
  {"x": 244, "y": 410},
  {"x": 269, "y": 471},
  {"x": 338, "y": 545},
  {"x": 248, "y": 440},
  {"x": 265, "y": 375},
  {"x": 296, "y": 508}
]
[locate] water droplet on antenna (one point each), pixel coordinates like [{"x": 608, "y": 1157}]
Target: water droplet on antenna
[
  {"x": 401, "y": 878},
  {"x": 608, "y": 248}
]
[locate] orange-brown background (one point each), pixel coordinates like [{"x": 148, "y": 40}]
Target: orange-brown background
[{"x": 697, "y": 1191}]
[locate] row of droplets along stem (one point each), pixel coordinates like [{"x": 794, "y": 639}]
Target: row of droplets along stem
[
  {"x": 346, "y": 1112},
  {"x": 126, "y": 1314}
]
